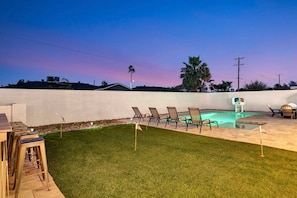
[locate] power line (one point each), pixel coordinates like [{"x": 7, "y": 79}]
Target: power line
[
  {"x": 238, "y": 71},
  {"x": 56, "y": 46}
]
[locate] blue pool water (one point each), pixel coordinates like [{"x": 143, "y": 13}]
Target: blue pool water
[{"x": 229, "y": 119}]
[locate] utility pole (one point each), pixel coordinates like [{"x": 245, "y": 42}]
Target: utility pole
[
  {"x": 279, "y": 78},
  {"x": 238, "y": 70}
]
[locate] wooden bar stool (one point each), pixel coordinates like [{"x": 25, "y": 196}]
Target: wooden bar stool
[
  {"x": 14, "y": 135},
  {"x": 39, "y": 144},
  {"x": 15, "y": 149},
  {"x": 10, "y": 136}
]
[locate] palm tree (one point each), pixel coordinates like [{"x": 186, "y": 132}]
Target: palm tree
[
  {"x": 131, "y": 71},
  {"x": 205, "y": 76},
  {"x": 195, "y": 74}
]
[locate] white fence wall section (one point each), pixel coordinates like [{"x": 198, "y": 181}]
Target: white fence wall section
[
  {"x": 42, "y": 107},
  {"x": 14, "y": 112}
]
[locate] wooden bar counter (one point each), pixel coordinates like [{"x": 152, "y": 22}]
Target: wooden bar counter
[{"x": 5, "y": 127}]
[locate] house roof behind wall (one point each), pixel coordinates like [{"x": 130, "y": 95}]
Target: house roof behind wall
[
  {"x": 52, "y": 85},
  {"x": 115, "y": 86}
]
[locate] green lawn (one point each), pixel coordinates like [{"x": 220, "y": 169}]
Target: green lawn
[{"x": 102, "y": 162}]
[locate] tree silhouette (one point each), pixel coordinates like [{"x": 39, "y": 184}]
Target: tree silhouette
[
  {"x": 224, "y": 86},
  {"x": 281, "y": 87},
  {"x": 104, "y": 83},
  {"x": 20, "y": 82},
  {"x": 255, "y": 86},
  {"x": 195, "y": 74},
  {"x": 205, "y": 76},
  {"x": 292, "y": 83}
]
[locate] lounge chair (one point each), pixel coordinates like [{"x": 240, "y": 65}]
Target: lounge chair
[
  {"x": 172, "y": 116},
  {"x": 196, "y": 119},
  {"x": 274, "y": 111},
  {"x": 137, "y": 114},
  {"x": 154, "y": 115},
  {"x": 288, "y": 111}
]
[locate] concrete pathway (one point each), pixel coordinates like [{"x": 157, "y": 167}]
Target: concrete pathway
[{"x": 277, "y": 132}]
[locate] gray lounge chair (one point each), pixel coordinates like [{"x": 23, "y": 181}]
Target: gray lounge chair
[
  {"x": 137, "y": 115},
  {"x": 172, "y": 116},
  {"x": 154, "y": 115},
  {"x": 274, "y": 111},
  {"x": 196, "y": 119}
]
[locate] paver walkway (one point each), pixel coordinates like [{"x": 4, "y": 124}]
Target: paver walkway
[{"x": 278, "y": 132}]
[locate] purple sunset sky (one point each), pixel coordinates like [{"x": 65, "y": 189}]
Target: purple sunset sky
[{"x": 92, "y": 41}]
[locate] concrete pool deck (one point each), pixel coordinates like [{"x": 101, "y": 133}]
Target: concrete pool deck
[{"x": 277, "y": 132}]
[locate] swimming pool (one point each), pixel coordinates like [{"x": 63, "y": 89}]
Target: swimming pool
[{"x": 229, "y": 119}]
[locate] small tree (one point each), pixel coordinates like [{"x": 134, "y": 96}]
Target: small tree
[
  {"x": 224, "y": 86},
  {"x": 255, "y": 86},
  {"x": 104, "y": 83},
  {"x": 281, "y": 87},
  {"x": 20, "y": 82},
  {"x": 292, "y": 83}
]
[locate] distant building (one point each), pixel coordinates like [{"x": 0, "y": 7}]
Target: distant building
[
  {"x": 150, "y": 88},
  {"x": 52, "y": 85},
  {"x": 53, "y": 79},
  {"x": 115, "y": 87},
  {"x": 53, "y": 82}
]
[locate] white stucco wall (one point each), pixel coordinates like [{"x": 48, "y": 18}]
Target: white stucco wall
[
  {"x": 44, "y": 107},
  {"x": 14, "y": 112}
]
